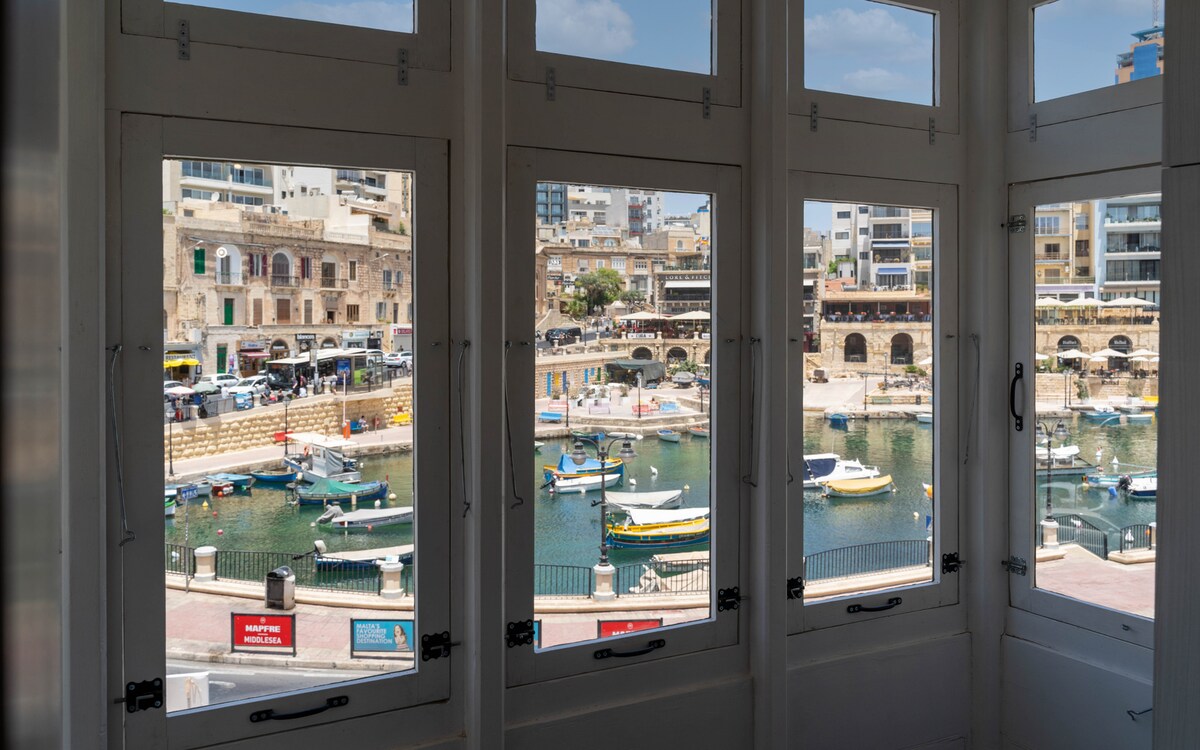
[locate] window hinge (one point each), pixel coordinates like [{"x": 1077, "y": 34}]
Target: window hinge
[
  {"x": 728, "y": 599},
  {"x": 402, "y": 66},
  {"x": 1015, "y": 565},
  {"x": 795, "y": 588},
  {"x": 436, "y": 645},
  {"x": 812, "y": 117},
  {"x": 142, "y": 696},
  {"x": 932, "y": 132},
  {"x": 550, "y": 85},
  {"x": 520, "y": 633},
  {"x": 1016, "y": 224},
  {"x": 1033, "y": 127},
  {"x": 184, "y": 36},
  {"x": 706, "y": 107},
  {"x": 951, "y": 563}
]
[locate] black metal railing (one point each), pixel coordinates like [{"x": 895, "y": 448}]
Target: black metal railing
[
  {"x": 561, "y": 580},
  {"x": 240, "y": 565},
  {"x": 1075, "y": 529},
  {"x": 180, "y": 559},
  {"x": 229, "y": 277},
  {"x": 281, "y": 280},
  {"x": 1136, "y": 536},
  {"x": 329, "y": 282},
  {"x": 683, "y": 577},
  {"x": 866, "y": 559}
]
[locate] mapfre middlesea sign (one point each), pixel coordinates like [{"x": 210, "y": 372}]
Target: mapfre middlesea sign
[{"x": 267, "y": 634}]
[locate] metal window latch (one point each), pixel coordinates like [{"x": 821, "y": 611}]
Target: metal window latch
[
  {"x": 795, "y": 588},
  {"x": 932, "y": 132},
  {"x": 1015, "y": 565},
  {"x": 951, "y": 563},
  {"x": 1033, "y": 127},
  {"x": 728, "y": 599},
  {"x": 895, "y": 601},
  {"x": 184, "y": 36},
  {"x": 1016, "y": 224},
  {"x": 520, "y": 633},
  {"x": 402, "y": 67},
  {"x": 436, "y": 645},
  {"x": 706, "y": 106},
  {"x": 142, "y": 696},
  {"x": 551, "y": 87},
  {"x": 812, "y": 117}
]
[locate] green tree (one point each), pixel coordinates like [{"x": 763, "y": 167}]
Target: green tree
[
  {"x": 598, "y": 288},
  {"x": 632, "y": 297},
  {"x": 576, "y": 306}
]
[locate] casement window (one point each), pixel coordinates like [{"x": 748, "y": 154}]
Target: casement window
[
  {"x": 888, "y": 63},
  {"x": 351, "y": 313},
  {"x": 873, "y": 503},
  {"x": 198, "y": 262},
  {"x": 1083, "y": 441},
  {"x": 556, "y": 518},
  {"x": 197, "y": 624}
]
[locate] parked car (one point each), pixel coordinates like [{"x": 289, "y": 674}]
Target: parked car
[
  {"x": 398, "y": 359},
  {"x": 254, "y": 385},
  {"x": 214, "y": 383},
  {"x": 171, "y": 384},
  {"x": 565, "y": 334}
]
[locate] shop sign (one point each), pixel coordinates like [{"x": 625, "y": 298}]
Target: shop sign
[
  {"x": 381, "y": 636},
  {"x": 251, "y": 345},
  {"x": 266, "y": 633},
  {"x": 643, "y": 335},
  {"x": 610, "y": 628}
]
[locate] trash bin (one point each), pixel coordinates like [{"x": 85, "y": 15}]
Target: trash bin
[{"x": 281, "y": 588}]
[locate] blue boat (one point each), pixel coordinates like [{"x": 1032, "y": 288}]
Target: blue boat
[
  {"x": 325, "y": 491},
  {"x": 838, "y": 420},
  {"x": 277, "y": 476},
  {"x": 1104, "y": 415},
  {"x": 239, "y": 481},
  {"x": 597, "y": 436},
  {"x": 567, "y": 469}
]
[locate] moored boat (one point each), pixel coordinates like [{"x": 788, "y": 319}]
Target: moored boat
[
  {"x": 647, "y": 517},
  {"x": 597, "y": 436},
  {"x": 1102, "y": 481},
  {"x": 1143, "y": 487},
  {"x": 837, "y": 419},
  {"x": 360, "y": 560},
  {"x": 700, "y": 432},
  {"x": 669, "y": 436},
  {"x": 860, "y": 487},
  {"x": 168, "y": 506},
  {"x": 658, "y": 536},
  {"x": 365, "y": 519},
  {"x": 1102, "y": 414},
  {"x": 631, "y": 500},
  {"x": 328, "y": 491},
  {"x": 566, "y": 468},
  {"x": 925, "y": 417},
  {"x": 239, "y": 481},
  {"x": 584, "y": 483},
  {"x": 1139, "y": 417},
  {"x": 276, "y": 476},
  {"x": 820, "y": 468},
  {"x": 537, "y": 447},
  {"x": 322, "y": 457}
]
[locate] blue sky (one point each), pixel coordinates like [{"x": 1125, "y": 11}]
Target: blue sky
[
  {"x": 1076, "y": 42},
  {"x": 675, "y": 34},
  {"x": 390, "y": 15}
]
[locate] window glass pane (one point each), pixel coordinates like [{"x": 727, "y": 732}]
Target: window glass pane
[
  {"x": 388, "y": 15},
  {"x": 623, "y": 366},
  {"x": 1096, "y": 333},
  {"x": 264, "y": 409},
  {"x": 1080, "y": 45},
  {"x": 868, "y": 398},
  {"x": 676, "y": 35},
  {"x": 869, "y": 48}
]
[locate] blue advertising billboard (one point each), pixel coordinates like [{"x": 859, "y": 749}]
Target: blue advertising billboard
[{"x": 381, "y": 636}]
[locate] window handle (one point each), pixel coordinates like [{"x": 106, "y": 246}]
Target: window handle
[
  {"x": 1019, "y": 374},
  {"x": 271, "y": 715},
  {"x": 607, "y": 653},
  {"x": 856, "y": 608}
]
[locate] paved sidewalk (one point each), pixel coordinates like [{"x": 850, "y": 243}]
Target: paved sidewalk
[{"x": 1081, "y": 575}]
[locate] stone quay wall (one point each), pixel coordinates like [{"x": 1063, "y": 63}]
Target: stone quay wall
[{"x": 255, "y": 428}]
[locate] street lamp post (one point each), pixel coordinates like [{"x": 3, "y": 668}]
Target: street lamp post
[
  {"x": 1049, "y": 525},
  {"x": 603, "y": 570},
  {"x": 639, "y": 385}
]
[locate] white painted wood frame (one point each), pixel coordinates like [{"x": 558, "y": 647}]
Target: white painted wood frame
[
  {"x": 527, "y": 63},
  {"x": 943, "y": 589},
  {"x": 428, "y": 46},
  {"x": 1025, "y": 504},
  {"x": 135, "y": 289},
  {"x": 731, "y": 352},
  {"x": 834, "y": 106},
  {"x": 1021, "y": 104}
]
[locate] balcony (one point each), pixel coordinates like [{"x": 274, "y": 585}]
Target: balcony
[
  {"x": 329, "y": 282},
  {"x": 229, "y": 278},
  {"x": 284, "y": 281}
]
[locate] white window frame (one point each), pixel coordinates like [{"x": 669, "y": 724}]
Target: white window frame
[
  {"x": 943, "y": 589},
  {"x": 135, "y": 287},
  {"x": 1025, "y": 511},
  {"x": 1021, "y": 106},
  {"x": 527, "y": 63},
  {"x": 942, "y": 115},
  {"x": 526, "y": 167},
  {"x": 427, "y": 46}
]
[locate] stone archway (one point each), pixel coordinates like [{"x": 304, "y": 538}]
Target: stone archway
[
  {"x": 677, "y": 354},
  {"x": 902, "y": 349},
  {"x": 642, "y": 352},
  {"x": 854, "y": 348},
  {"x": 1123, "y": 345},
  {"x": 708, "y": 356}
]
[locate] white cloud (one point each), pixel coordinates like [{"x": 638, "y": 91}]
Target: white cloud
[
  {"x": 873, "y": 34},
  {"x": 390, "y": 15},
  {"x": 587, "y": 28},
  {"x": 1092, "y": 9},
  {"x": 875, "y": 81}
]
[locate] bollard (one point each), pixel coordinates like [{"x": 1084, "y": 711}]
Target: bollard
[
  {"x": 1049, "y": 534},
  {"x": 206, "y": 564},
  {"x": 604, "y": 583},
  {"x": 389, "y": 587}
]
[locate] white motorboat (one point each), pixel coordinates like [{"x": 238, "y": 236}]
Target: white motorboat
[
  {"x": 821, "y": 468},
  {"x": 585, "y": 483},
  {"x": 365, "y": 519},
  {"x": 648, "y": 500},
  {"x": 322, "y": 457},
  {"x": 1063, "y": 455},
  {"x": 644, "y": 517}
]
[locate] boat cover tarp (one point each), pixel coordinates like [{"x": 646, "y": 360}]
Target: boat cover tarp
[
  {"x": 326, "y": 486},
  {"x": 819, "y": 466}
]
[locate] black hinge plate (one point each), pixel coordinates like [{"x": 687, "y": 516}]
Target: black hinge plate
[
  {"x": 435, "y": 645},
  {"x": 795, "y": 588},
  {"x": 728, "y": 599},
  {"x": 144, "y": 695},
  {"x": 402, "y": 67},
  {"x": 1016, "y": 224},
  {"x": 520, "y": 633},
  {"x": 951, "y": 563},
  {"x": 1015, "y": 565}
]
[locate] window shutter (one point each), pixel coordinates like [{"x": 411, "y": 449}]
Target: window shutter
[{"x": 198, "y": 261}]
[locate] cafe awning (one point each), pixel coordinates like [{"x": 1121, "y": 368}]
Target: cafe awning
[{"x": 189, "y": 362}]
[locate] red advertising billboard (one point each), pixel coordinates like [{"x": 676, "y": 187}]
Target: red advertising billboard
[
  {"x": 609, "y": 628},
  {"x": 255, "y": 632}
]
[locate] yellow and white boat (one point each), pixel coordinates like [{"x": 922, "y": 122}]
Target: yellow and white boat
[
  {"x": 860, "y": 487},
  {"x": 659, "y": 535}
]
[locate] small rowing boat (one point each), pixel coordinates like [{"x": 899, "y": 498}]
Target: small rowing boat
[
  {"x": 365, "y": 519},
  {"x": 239, "y": 481},
  {"x": 584, "y": 483},
  {"x": 326, "y": 491},
  {"x": 699, "y": 432},
  {"x": 860, "y": 487},
  {"x": 668, "y": 436},
  {"x": 276, "y": 476}
]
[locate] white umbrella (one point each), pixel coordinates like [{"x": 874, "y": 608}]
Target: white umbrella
[
  {"x": 1083, "y": 302},
  {"x": 1154, "y": 359},
  {"x": 1128, "y": 302},
  {"x": 1073, "y": 354},
  {"x": 692, "y": 315},
  {"x": 643, "y": 316},
  {"x": 1143, "y": 353},
  {"x": 1098, "y": 359},
  {"x": 1138, "y": 359},
  {"x": 1039, "y": 356},
  {"x": 1110, "y": 353},
  {"x": 1049, "y": 302},
  {"x": 179, "y": 390}
]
